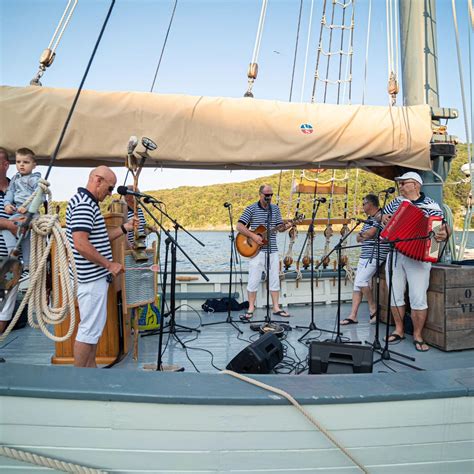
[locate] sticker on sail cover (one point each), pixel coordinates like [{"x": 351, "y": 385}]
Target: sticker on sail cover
[{"x": 306, "y": 128}]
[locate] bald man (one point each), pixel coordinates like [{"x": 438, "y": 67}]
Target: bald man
[{"x": 90, "y": 240}]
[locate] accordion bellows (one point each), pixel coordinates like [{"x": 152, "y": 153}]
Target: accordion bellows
[{"x": 410, "y": 222}]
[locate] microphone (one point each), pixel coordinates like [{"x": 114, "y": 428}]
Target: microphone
[
  {"x": 132, "y": 144},
  {"x": 227, "y": 204},
  {"x": 124, "y": 191},
  {"x": 321, "y": 200},
  {"x": 389, "y": 190}
]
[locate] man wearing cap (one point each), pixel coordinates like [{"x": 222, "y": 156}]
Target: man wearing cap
[{"x": 407, "y": 269}]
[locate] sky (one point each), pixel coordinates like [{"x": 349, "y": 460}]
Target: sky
[{"x": 209, "y": 47}]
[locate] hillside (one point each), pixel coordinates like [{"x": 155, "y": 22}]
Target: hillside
[{"x": 201, "y": 207}]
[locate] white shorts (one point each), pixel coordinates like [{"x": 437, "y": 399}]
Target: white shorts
[
  {"x": 416, "y": 273},
  {"x": 7, "y": 311},
  {"x": 365, "y": 271},
  {"x": 92, "y": 299},
  {"x": 257, "y": 265}
]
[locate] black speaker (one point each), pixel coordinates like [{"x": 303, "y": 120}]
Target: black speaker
[
  {"x": 259, "y": 357},
  {"x": 332, "y": 358}
]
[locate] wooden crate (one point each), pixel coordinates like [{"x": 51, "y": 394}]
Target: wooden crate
[{"x": 450, "y": 323}]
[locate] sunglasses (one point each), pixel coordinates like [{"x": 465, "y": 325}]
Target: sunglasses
[{"x": 268, "y": 195}]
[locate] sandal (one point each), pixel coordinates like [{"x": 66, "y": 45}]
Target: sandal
[
  {"x": 394, "y": 337},
  {"x": 281, "y": 313},
  {"x": 247, "y": 316},
  {"x": 419, "y": 346},
  {"x": 347, "y": 321}
]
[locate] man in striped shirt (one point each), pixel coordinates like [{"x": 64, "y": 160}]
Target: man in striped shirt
[
  {"x": 253, "y": 216},
  {"x": 406, "y": 269},
  {"x": 90, "y": 240},
  {"x": 130, "y": 200},
  {"x": 367, "y": 265},
  {"x": 8, "y": 307}
]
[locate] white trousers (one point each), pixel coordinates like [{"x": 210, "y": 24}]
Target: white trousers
[
  {"x": 416, "y": 273},
  {"x": 92, "y": 299},
  {"x": 7, "y": 311},
  {"x": 257, "y": 265},
  {"x": 365, "y": 271}
]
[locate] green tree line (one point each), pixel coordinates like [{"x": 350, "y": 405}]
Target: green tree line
[{"x": 201, "y": 207}]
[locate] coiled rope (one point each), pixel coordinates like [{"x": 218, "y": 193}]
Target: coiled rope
[
  {"x": 46, "y": 231},
  {"x": 301, "y": 409},
  {"x": 52, "y": 463}
]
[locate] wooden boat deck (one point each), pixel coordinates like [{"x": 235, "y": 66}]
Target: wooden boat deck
[{"x": 214, "y": 346}]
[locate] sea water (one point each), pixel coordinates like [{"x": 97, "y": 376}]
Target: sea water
[{"x": 215, "y": 254}]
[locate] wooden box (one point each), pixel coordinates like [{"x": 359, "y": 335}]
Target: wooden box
[{"x": 450, "y": 323}]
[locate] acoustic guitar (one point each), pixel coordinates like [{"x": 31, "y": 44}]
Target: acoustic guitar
[{"x": 247, "y": 247}]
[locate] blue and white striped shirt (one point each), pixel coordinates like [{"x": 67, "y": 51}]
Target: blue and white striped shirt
[
  {"x": 255, "y": 215},
  {"x": 83, "y": 215},
  {"x": 141, "y": 223},
  {"x": 3, "y": 215},
  {"x": 425, "y": 203},
  {"x": 369, "y": 249}
]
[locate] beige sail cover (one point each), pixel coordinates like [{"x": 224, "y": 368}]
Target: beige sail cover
[{"x": 212, "y": 132}]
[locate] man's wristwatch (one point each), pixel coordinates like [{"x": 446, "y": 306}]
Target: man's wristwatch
[{"x": 125, "y": 231}]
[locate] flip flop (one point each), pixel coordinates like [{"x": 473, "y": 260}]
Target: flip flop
[
  {"x": 281, "y": 313},
  {"x": 373, "y": 318},
  {"x": 396, "y": 338},
  {"x": 347, "y": 321},
  {"x": 419, "y": 346},
  {"x": 247, "y": 316}
]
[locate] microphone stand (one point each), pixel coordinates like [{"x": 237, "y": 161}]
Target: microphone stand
[
  {"x": 376, "y": 346},
  {"x": 385, "y": 354},
  {"x": 169, "y": 241},
  {"x": 310, "y": 234},
  {"x": 338, "y": 249},
  {"x": 268, "y": 320},
  {"x": 229, "y": 319}
]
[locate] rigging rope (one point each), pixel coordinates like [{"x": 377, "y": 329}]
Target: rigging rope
[
  {"x": 79, "y": 90},
  {"x": 296, "y": 51},
  {"x": 366, "y": 65},
  {"x": 310, "y": 23},
  {"x": 253, "y": 66},
  {"x": 468, "y": 216},
  {"x": 392, "y": 87},
  {"x": 48, "y": 55},
  {"x": 164, "y": 46}
]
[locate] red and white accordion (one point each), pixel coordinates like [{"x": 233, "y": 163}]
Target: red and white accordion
[{"x": 409, "y": 222}]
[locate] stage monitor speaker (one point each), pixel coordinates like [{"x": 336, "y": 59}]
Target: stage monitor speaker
[
  {"x": 259, "y": 357},
  {"x": 332, "y": 358}
]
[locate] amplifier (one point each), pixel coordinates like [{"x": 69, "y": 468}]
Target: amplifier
[{"x": 332, "y": 358}]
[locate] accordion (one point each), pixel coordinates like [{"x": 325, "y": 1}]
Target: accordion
[{"x": 409, "y": 222}]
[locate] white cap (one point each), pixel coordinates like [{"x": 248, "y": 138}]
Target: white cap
[{"x": 410, "y": 175}]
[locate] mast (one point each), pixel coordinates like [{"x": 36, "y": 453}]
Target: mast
[{"x": 419, "y": 59}]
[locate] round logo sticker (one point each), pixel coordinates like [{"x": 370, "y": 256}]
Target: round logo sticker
[{"x": 306, "y": 128}]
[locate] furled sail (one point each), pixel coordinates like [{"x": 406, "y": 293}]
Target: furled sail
[{"x": 213, "y": 132}]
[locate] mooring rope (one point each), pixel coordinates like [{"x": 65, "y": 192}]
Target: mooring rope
[
  {"x": 45, "y": 231},
  {"x": 45, "y": 461},
  {"x": 295, "y": 403}
]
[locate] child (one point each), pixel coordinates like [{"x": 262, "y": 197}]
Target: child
[{"x": 21, "y": 187}]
